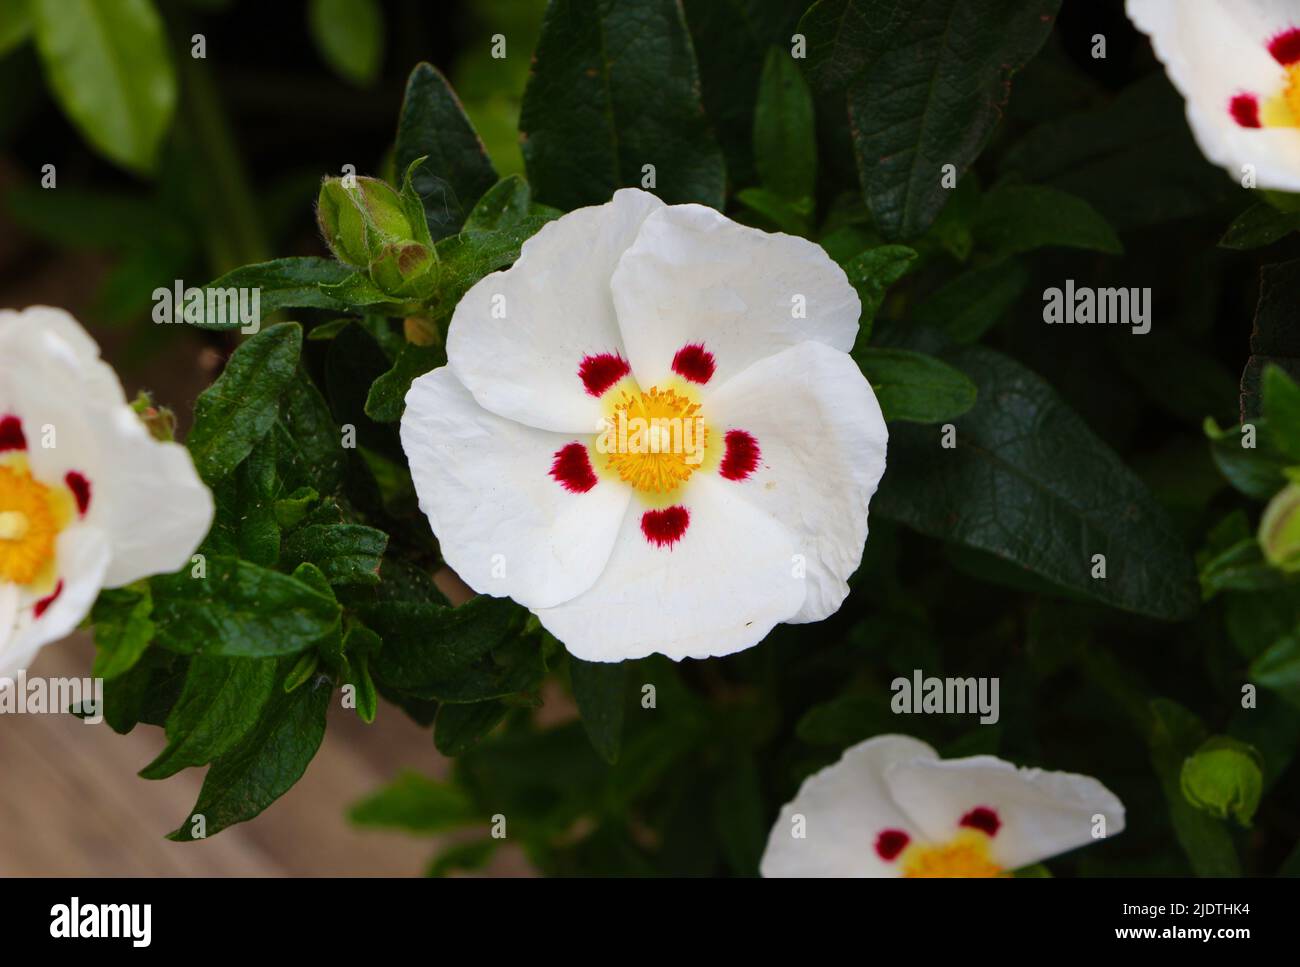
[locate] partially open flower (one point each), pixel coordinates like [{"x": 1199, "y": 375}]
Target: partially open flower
[
  {"x": 651, "y": 433},
  {"x": 1237, "y": 64},
  {"x": 892, "y": 807},
  {"x": 88, "y": 497}
]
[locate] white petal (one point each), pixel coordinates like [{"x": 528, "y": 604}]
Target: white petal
[
  {"x": 505, "y": 525},
  {"x": 845, "y": 808},
  {"x": 822, "y": 442},
  {"x": 56, "y": 333},
  {"x": 156, "y": 510},
  {"x": 557, "y": 309},
  {"x": 1042, "y": 813},
  {"x": 717, "y": 590},
  {"x": 1213, "y": 50},
  {"x": 695, "y": 276},
  {"x": 83, "y": 556}
]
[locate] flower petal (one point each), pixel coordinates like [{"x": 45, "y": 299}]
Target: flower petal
[
  {"x": 822, "y": 440},
  {"x": 506, "y": 524},
  {"x": 1039, "y": 814},
  {"x": 518, "y": 338},
  {"x": 694, "y": 278},
  {"x": 846, "y": 807},
  {"x": 83, "y": 556},
  {"x": 1213, "y": 51},
  {"x": 712, "y": 584}
]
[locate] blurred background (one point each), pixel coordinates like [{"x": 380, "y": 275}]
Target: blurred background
[{"x": 286, "y": 93}]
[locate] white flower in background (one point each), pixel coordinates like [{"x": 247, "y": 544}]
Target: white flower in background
[
  {"x": 892, "y": 807},
  {"x": 88, "y": 498},
  {"x": 1237, "y": 64},
  {"x": 650, "y": 432}
]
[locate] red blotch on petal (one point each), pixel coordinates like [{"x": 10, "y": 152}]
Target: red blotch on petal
[
  {"x": 48, "y": 600},
  {"x": 1244, "y": 109},
  {"x": 695, "y": 363},
  {"x": 572, "y": 468},
  {"x": 983, "y": 819},
  {"x": 741, "y": 457},
  {"x": 598, "y": 373},
  {"x": 11, "y": 434},
  {"x": 664, "y": 528},
  {"x": 890, "y": 843},
  {"x": 1285, "y": 47},
  {"x": 80, "y": 488}
]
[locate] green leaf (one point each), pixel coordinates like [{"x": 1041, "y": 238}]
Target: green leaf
[
  {"x": 1223, "y": 778},
  {"x": 15, "y": 25},
  {"x": 871, "y": 273},
  {"x": 367, "y": 697},
  {"x": 587, "y": 124},
  {"x": 507, "y": 203},
  {"x": 916, "y": 387},
  {"x": 350, "y": 36},
  {"x": 1259, "y": 225},
  {"x": 926, "y": 83},
  {"x": 1282, "y": 407},
  {"x": 1255, "y": 470},
  {"x": 473, "y": 855},
  {"x": 387, "y": 399},
  {"x": 1028, "y": 482},
  {"x": 457, "y": 170},
  {"x": 460, "y": 727},
  {"x": 240, "y": 609},
  {"x": 1173, "y": 734},
  {"x": 221, "y": 701},
  {"x": 1278, "y": 668},
  {"x": 346, "y": 553},
  {"x": 792, "y": 217},
  {"x": 123, "y": 628},
  {"x": 967, "y": 306},
  {"x": 289, "y": 283},
  {"x": 785, "y": 142},
  {"x": 738, "y": 814},
  {"x": 109, "y": 67},
  {"x": 465, "y": 258},
  {"x": 1241, "y": 567},
  {"x": 1276, "y": 336},
  {"x": 416, "y": 804},
  {"x": 1021, "y": 218},
  {"x": 309, "y": 446},
  {"x": 264, "y": 765},
  {"x": 357, "y": 292},
  {"x": 239, "y": 409},
  {"x": 600, "y": 691}
]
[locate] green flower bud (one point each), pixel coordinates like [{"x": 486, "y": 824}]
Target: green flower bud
[
  {"x": 359, "y": 216},
  {"x": 1223, "y": 778},
  {"x": 1279, "y": 529},
  {"x": 399, "y": 266}
]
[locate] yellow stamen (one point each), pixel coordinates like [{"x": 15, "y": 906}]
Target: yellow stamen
[
  {"x": 1283, "y": 110},
  {"x": 967, "y": 855},
  {"x": 28, "y": 526},
  {"x": 654, "y": 440}
]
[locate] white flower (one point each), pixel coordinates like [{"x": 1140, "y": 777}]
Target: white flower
[
  {"x": 650, "y": 432},
  {"x": 892, "y": 807},
  {"x": 1237, "y": 64},
  {"x": 88, "y": 498}
]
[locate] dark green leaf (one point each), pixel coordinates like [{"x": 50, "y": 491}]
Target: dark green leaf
[
  {"x": 785, "y": 142},
  {"x": 309, "y": 446},
  {"x": 416, "y": 804},
  {"x": 237, "y": 410},
  {"x": 587, "y": 124},
  {"x": 871, "y": 273},
  {"x": 916, "y": 387},
  {"x": 1275, "y": 337},
  {"x": 970, "y": 304},
  {"x": 425, "y": 644},
  {"x": 460, "y": 727},
  {"x": 1255, "y": 470},
  {"x": 1259, "y": 225},
  {"x": 123, "y": 628},
  {"x": 1021, "y": 218},
  {"x": 387, "y": 399},
  {"x": 1030, "y": 483},
  {"x": 350, "y": 36},
  {"x": 600, "y": 691},
  {"x": 290, "y": 283},
  {"x": 473, "y": 855},
  {"x": 346, "y": 553}
]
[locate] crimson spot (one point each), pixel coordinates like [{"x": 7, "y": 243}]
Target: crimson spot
[
  {"x": 48, "y": 600},
  {"x": 741, "y": 456},
  {"x": 890, "y": 843},
  {"x": 1285, "y": 47},
  {"x": 80, "y": 488},
  {"x": 695, "y": 363},
  {"x": 1245, "y": 110},
  {"x": 11, "y": 434},
  {"x": 664, "y": 528},
  {"x": 983, "y": 819},
  {"x": 572, "y": 468},
  {"x": 598, "y": 373}
]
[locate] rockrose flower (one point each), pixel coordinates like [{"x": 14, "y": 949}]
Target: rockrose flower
[
  {"x": 892, "y": 807},
  {"x": 1237, "y": 64},
  {"x": 88, "y": 498},
  {"x": 650, "y": 432}
]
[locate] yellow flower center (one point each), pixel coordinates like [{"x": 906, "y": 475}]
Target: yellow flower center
[
  {"x": 967, "y": 855},
  {"x": 653, "y": 440},
  {"x": 1283, "y": 110},
  {"x": 29, "y": 525}
]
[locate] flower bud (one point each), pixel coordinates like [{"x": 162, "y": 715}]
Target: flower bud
[
  {"x": 1279, "y": 529},
  {"x": 358, "y": 217},
  {"x": 399, "y": 265}
]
